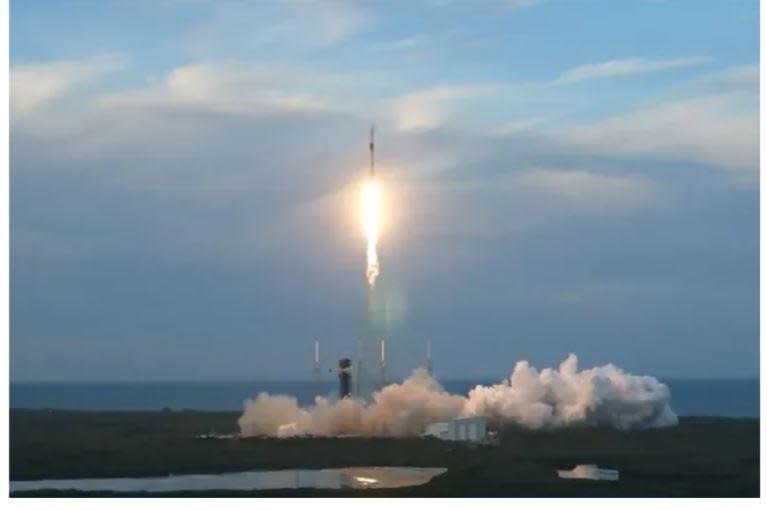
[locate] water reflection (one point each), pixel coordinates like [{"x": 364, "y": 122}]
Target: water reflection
[{"x": 344, "y": 478}]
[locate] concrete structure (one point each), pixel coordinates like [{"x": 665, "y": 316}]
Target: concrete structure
[{"x": 462, "y": 429}]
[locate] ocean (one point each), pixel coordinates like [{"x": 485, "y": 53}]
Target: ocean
[{"x": 689, "y": 397}]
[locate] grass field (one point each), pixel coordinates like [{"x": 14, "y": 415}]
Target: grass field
[{"x": 700, "y": 457}]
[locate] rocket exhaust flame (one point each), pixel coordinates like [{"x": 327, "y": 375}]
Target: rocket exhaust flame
[
  {"x": 371, "y": 222},
  {"x": 371, "y": 214}
]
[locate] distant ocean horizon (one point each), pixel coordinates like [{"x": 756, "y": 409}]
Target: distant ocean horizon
[{"x": 689, "y": 397}]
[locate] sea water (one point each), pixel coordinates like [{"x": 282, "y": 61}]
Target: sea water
[{"x": 689, "y": 397}]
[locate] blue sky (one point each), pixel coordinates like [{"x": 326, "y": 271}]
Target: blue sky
[{"x": 560, "y": 176}]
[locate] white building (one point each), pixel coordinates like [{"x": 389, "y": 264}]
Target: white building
[{"x": 462, "y": 429}]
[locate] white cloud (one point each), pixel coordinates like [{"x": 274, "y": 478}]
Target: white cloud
[
  {"x": 284, "y": 26},
  {"x": 333, "y": 20},
  {"x": 34, "y": 85},
  {"x": 714, "y": 129},
  {"x": 519, "y": 126},
  {"x": 626, "y": 67},
  {"x": 223, "y": 87},
  {"x": 590, "y": 187},
  {"x": 406, "y": 43},
  {"x": 741, "y": 78},
  {"x": 428, "y": 108}
]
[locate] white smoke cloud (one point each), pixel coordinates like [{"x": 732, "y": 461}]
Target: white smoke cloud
[
  {"x": 604, "y": 396},
  {"x": 601, "y": 396}
]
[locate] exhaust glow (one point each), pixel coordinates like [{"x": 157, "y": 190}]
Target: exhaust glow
[{"x": 371, "y": 222}]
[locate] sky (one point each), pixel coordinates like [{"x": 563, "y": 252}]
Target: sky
[{"x": 559, "y": 177}]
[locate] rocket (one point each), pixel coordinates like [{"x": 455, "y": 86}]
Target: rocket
[{"x": 372, "y": 150}]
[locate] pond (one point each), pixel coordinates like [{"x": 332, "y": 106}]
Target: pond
[{"x": 343, "y": 478}]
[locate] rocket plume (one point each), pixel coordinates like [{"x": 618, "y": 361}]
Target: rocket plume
[
  {"x": 601, "y": 396},
  {"x": 371, "y": 221}
]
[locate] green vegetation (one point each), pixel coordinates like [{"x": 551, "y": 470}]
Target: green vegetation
[{"x": 700, "y": 457}]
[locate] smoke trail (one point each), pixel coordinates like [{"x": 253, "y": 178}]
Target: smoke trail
[{"x": 600, "y": 396}]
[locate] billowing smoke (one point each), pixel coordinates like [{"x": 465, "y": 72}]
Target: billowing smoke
[{"x": 602, "y": 396}]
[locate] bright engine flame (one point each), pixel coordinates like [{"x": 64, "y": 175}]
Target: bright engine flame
[{"x": 371, "y": 222}]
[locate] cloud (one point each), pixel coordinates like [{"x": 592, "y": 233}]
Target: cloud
[
  {"x": 275, "y": 28},
  {"x": 406, "y": 43},
  {"x": 625, "y": 67},
  {"x": 209, "y": 210},
  {"x": 223, "y": 87},
  {"x": 247, "y": 88},
  {"x": 590, "y": 187},
  {"x": 35, "y": 85},
  {"x": 334, "y": 20},
  {"x": 428, "y": 108},
  {"x": 717, "y": 129},
  {"x": 734, "y": 79}
]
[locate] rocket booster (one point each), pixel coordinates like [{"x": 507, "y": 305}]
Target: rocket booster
[{"x": 372, "y": 150}]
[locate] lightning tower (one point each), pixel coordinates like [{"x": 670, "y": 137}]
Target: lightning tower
[
  {"x": 383, "y": 363},
  {"x": 316, "y": 366}
]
